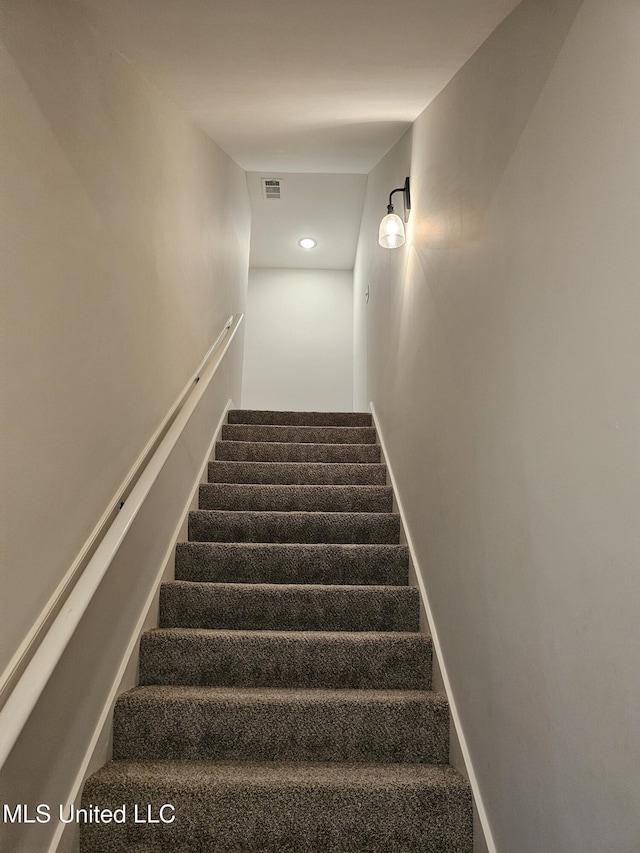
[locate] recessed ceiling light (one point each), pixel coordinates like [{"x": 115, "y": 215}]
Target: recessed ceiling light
[{"x": 307, "y": 243}]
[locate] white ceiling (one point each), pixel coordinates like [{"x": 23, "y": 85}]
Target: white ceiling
[
  {"x": 325, "y": 207},
  {"x": 299, "y": 85},
  {"x": 288, "y": 87}
]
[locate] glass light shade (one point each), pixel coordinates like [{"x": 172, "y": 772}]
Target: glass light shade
[{"x": 391, "y": 234}]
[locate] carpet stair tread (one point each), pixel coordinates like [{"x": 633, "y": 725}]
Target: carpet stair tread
[
  {"x": 242, "y": 724},
  {"x": 311, "y": 775},
  {"x": 289, "y": 607},
  {"x": 242, "y": 658},
  {"x": 270, "y": 562},
  {"x": 294, "y": 498},
  {"x": 293, "y": 526},
  {"x": 289, "y": 451},
  {"x": 262, "y": 416},
  {"x": 298, "y": 473},
  {"x": 300, "y": 434},
  {"x": 265, "y": 807}
]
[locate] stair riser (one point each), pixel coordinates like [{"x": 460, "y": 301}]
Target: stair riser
[
  {"x": 261, "y": 451},
  {"x": 320, "y": 564},
  {"x": 256, "y": 608},
  {"x": 366, "y": 661},
  {"x": 220, "y": 526},
  {"x": 303, "y": 434},
  {"x": 296, "y": 498},
  {"x": 295, "y": 473},
  {"x": 248, "y": 416},
  {"x": 386, "y": 731},
  {"x": 223, "y": 818}
]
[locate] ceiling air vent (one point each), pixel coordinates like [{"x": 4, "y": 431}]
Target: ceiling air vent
[{"x": 271, "y": 188}]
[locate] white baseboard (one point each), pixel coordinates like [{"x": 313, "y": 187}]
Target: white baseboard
[
  {"x": 455, "y": 717},
  {"x": 76, "y": 788}
]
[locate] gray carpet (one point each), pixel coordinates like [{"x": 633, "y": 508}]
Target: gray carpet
[
  {"x": 281, "y": 724},
  {"x": 300, "y": 434},
  {"x": 278, "y": 807},
  {"x": 311, "y": 473},
  {"x": 285, "y": 701},
  {"x": 234, "y": 658},
  {"x": 289, "y": 607},
  {"x": 253, "y": 416},
  {"x": 292, "y": 498},
  {"x": 282, "y": 451},
  {"x": 268, "y": 562},
  {"x": 321, "y": 527}
]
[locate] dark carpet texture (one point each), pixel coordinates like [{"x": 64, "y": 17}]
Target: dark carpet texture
[
  {"x": 292, "y": 473},
  {"x": 268, "y": 562},
  {"x": 282, "y": 451},
  {"x": 291, "y": 498},
  {"x": 285, "y": 701},
  {"x": 321, "y": 527},
  {"x": 289, "y": 607}
]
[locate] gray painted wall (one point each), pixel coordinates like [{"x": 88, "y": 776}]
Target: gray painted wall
[
  {"x": 125, "y": 248},
  {"x": 501, "y": 346},
  {"x": 126, "y": 237},
  {"x": 298, "y": 352}
]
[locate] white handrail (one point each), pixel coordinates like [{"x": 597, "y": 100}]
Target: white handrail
[
  {"x": 33, "y": 638},
  {"x": 33, "y": 680}
]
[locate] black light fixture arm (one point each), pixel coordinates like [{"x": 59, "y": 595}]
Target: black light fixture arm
[{"x": 407, "y": 199}]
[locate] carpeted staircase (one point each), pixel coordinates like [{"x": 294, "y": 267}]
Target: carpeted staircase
[{"x": 284, "y": 702}]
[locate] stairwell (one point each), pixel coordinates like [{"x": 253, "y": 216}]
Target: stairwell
[{"x": 285, "y": 701}]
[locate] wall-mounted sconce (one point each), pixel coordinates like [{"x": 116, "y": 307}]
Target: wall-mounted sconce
[{"x": 391, "y": 233}]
